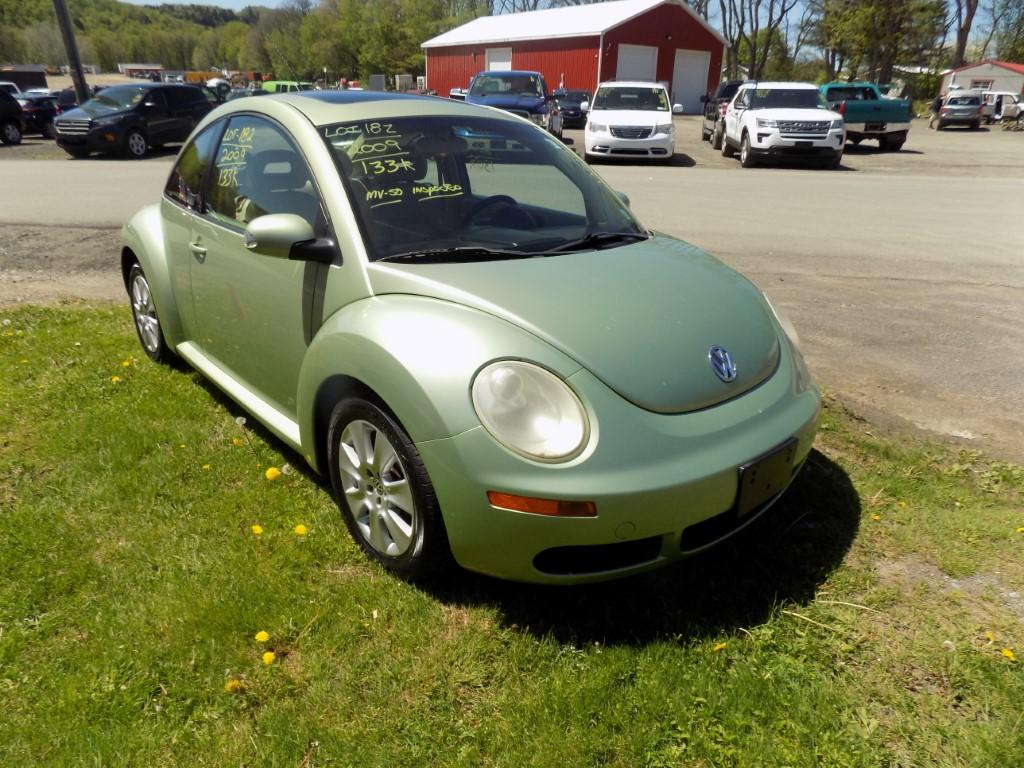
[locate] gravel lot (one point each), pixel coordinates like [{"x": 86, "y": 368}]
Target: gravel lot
[{"x": 902, "y": 271}]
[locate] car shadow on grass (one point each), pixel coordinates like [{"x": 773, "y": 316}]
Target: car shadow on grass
[{"x": 782, "y": 558}]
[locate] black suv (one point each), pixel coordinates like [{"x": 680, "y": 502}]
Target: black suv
[
  {"x": 571, "y": 105},
  {"x": 129, "y": 119},
  {"x": 11, "y": 121},
  {"x": 712, "y": 127}
]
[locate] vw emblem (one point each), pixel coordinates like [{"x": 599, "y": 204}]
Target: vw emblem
[{"x": 722, "y": 364}]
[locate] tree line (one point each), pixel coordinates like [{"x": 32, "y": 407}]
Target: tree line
[{"x": 799, "y": 39}]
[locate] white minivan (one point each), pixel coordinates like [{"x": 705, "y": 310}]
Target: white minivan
[{"x": 630, "y": 120}]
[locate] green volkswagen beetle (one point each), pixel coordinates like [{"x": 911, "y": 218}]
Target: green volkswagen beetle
[{"x": 445, "y": 310}]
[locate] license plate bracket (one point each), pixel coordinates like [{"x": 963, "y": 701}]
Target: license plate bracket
[
  {"x": 804, "y": 144},
  {"x": 765, "y": 477},
  {"x": 874, "y": 127}
]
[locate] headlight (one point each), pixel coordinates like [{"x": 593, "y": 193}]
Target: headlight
[
  {"x": 597, "y": 128},
  {"x": 666, "y": 128},
  {"x": 837, "y": 124},
  {"x": 538, "y": 119},
  {"x": 530, "y": 411},
  {"x": 104, "y": 121},
  {"x": 762, "y": 123}
]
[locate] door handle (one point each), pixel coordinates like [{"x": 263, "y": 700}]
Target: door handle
[{"x": 198, "y": 252}]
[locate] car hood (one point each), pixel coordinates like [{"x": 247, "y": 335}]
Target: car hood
[
  {"x": 641, "y": 317},
  {"x": 528, "y": 103},
  {"x": 89, "y": 111},
  {"x": 801, "y": 115},
  {"x": 644, "y": 117}
]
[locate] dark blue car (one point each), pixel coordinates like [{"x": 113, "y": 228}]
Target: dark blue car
[{"x": 521, "y": 93}]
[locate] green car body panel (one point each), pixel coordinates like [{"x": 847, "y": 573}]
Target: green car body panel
[{"x": 627, "y": 328}]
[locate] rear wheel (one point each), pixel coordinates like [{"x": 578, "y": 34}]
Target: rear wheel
[
  {"x": 384, "y": 492},
  {"x": 716, "y": 138},
  {"x": 893, "y": 142},
  {"x": 10, "y": 133},
  {"x": 147, "y": 323}
]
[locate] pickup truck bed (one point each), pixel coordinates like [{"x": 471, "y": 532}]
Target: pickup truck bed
[{"x": 868, "y": 115}]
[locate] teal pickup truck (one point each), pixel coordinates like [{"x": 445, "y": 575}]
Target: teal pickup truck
[{"x": 868, "y": 115}]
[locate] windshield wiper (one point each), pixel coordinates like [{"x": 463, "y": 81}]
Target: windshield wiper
[
  {"x": 597, "y": 239},
  {"x": 458, "y": 253}
]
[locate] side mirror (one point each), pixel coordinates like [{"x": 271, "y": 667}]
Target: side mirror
[
  {"x": 149, "y": 104},
  {"x": 623, "y": 197},
  {"x": 287, "y": 236},
  {"x": 677, "y": 109},
  {"x": 584, "y": 106}
]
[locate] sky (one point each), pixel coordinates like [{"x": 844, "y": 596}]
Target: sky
[{"x": 235, "y": 5}]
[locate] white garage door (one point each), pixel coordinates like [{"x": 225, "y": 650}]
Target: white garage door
[
  {"x": 690, "y": 79},
  {"x": 499, "y": 59},
  {"x": 637, "y": 62}
]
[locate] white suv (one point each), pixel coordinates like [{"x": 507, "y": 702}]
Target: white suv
[
  {"x": 630, "y": 120},
  {"x": 782, "y": 119}
]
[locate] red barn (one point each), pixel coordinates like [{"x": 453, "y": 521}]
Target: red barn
[{"x": 580, "y": 46}]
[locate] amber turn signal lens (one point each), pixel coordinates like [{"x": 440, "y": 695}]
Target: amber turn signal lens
[{"x": 550, "y": 507}]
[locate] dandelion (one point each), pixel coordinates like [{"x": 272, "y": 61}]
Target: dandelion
[
  {"x": 272, "y": 473},
  {"x": 206, "y": 466},
  {"x": 182, "y": 445},
  {"x": 234, "y": 685},
  {"x": 903, "y": 505},
  {"x": 876, "y": 517},
  {"x": 257, "y": 530},
  {"x": 1020, "y": 530},
  {"x": 990, "y": 636},
  {"x": 236, "y": 441},
  {"x": 262, "y": 636},
  {"x": 300, "y": 530},
  {"x": 23, "y": 360},
  {"x": 115, "y": 379},
  {"x": 127, "y": 363},
  {"x": 1009, "y": 654},
  {"x": 719, "y": 647},
  {"x": 268, "y": 658},
  {"x": 240, "y": 421}
]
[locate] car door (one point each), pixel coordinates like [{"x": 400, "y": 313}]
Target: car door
[
  {"x": 181, "y": 203},
  {"x": 159, "y": 123},
  {"x": 734, "y": 115},
  {"x": 254, "y": 312},
  {"x": 180, "y": 107}
]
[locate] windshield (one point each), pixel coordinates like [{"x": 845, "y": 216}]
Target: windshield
[
  {"x": 644, "y": 98},
  {"x": 962, "y": 101},
  {"x": 460, "y": 185},
  {"x": 574, "y": 98},
  {"x": 118, "y": 97},
  {"x": 794, "y": 98},
  {"x": 506, "y": 85}
]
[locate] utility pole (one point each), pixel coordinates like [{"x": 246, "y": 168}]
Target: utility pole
[{"x": 60, "y": 7}]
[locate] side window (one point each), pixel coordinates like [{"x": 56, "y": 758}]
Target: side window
[
  {"x": 157, "y": 97},
  {"x": 186, "y": 179},
  {"x": 258, "y": 171}
]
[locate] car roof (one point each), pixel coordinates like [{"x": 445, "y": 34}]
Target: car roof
[
  {"x": 326, "y": 107},
  {"x": 497, "y": 72},
  {"x": 630, "y": 84},
  {"x": 779, "y": 85}
]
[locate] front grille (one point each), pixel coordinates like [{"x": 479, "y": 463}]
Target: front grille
[
  {"x": 73, "y": 127},
  {"x": 816, "y": 128},
  {"x": 630, "y": 131}
]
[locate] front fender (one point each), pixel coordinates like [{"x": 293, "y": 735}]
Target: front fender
[
  {"x": 419, "y": 355},
  {"x": 143, "y": 236}
]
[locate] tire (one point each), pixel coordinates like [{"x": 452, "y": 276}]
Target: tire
[
  {"x": 383, "y": 490},
  {"x": 135, "y": 146},
  {"x": 716, "y": 139},
  {"x": 49, "y": 131},
  {"x": 833, "y": 163},
  {"x": 976, "y": 125},
  {"x": 940, "y": 125},
  {"x": 147, "y": 323},
  {"x": 10, "y": 133},
  {"x": 747, "y": 159},
  {"x": 727, "y": 150},
  {"x": 893, "y": 142}
]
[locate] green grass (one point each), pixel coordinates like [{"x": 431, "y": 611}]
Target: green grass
[{"x": 861, "y": 624}]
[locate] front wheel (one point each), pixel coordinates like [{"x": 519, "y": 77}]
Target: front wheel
[
  {"x": 10, "y": 133},
  {"x": 383, "y": 490},
  {"x": 147, "y": 322},
  {"x": 747, "y": 159},
  {"x": 135, "y": 144},
  {"x": 716, "y": 138}
]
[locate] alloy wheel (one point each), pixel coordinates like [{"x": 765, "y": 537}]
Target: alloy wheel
[
  {"x": 377, "y": 489},
  {"x": 144, "y": 311},
  {"x": 136, "y": 144}
]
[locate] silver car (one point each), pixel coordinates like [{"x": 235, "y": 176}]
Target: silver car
[{"x": 958, "y": 109}]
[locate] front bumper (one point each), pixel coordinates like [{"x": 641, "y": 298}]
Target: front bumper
[
  {"x": 665, "y": 486},
  {"x": 98, "y": 139},
  {"x": 603, "y": 144},
  {"x": 768, "y": 142}
]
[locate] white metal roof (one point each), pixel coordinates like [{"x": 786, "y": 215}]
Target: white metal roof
[{"x": 568, "y": 21}]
